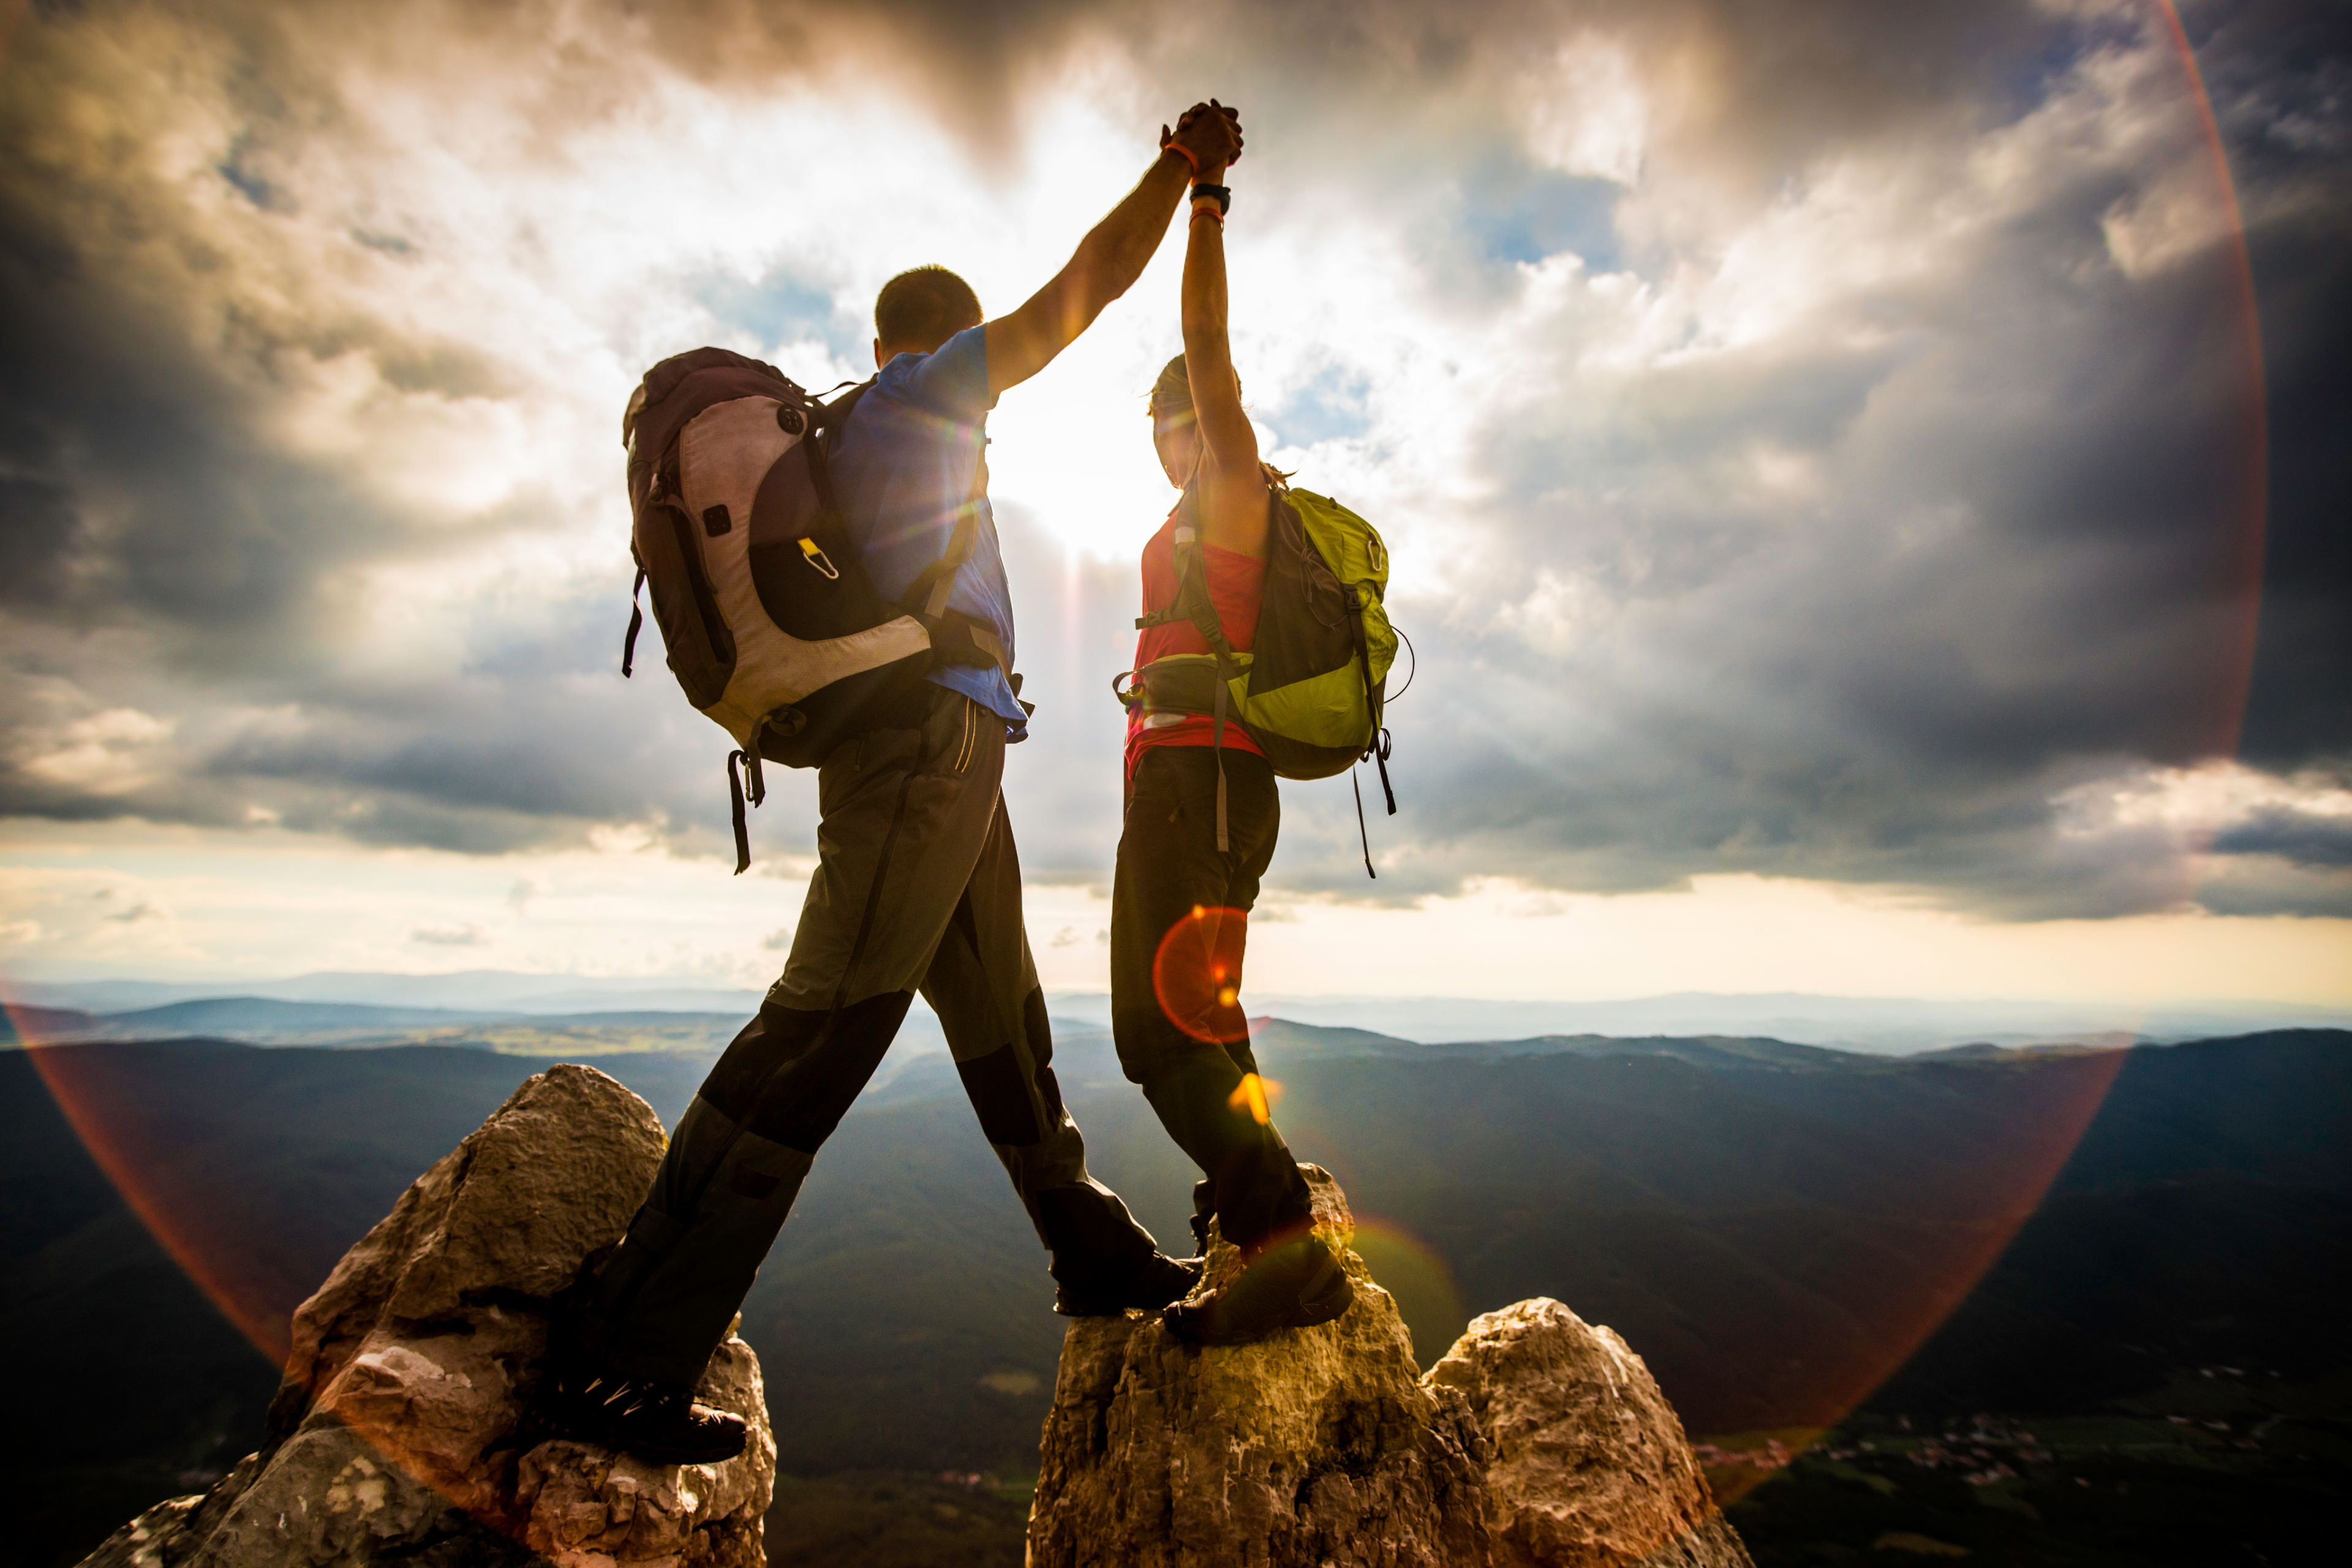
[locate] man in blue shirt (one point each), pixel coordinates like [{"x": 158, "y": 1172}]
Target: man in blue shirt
[
  {"x": 912, "y": 456},
  {"x": 918, "y": 886}
]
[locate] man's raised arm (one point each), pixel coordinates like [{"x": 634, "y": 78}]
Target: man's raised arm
[{"x": 1113, "y": 255}]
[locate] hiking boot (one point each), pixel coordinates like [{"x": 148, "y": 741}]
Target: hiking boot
[
  {"x": 1148, "y": 1287},
  {"x": 640, "y": 1416},
  {"x": 1294, "y": 1286}
]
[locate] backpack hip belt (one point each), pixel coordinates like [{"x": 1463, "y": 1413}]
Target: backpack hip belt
[{"x": 1182, "y": 683}]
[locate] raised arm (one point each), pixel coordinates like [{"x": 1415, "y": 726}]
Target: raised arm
[
  {"x": 1112, "y": 255},
  {"x": 1232, "y": 487}
]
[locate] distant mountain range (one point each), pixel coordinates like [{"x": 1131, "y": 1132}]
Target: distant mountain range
[
  {"x": 1891, "y": 1026},
  {"x": 255, "y": 1019},
  {"x": 476, "y": 992},
  {"x": 269, "y": 1021}
]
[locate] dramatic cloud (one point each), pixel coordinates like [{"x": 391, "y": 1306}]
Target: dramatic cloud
[{"x": 1818, "y": 440}]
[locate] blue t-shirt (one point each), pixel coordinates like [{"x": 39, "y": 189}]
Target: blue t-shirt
[{"x": 902, "y": 467}]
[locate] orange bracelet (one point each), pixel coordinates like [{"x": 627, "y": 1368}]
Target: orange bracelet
[
  {"x": 1172, "y": 146},
  {"x": 1207, "y": 205}
]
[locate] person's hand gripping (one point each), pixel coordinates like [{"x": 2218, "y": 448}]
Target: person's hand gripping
[{"x": 1210, "y": 133}]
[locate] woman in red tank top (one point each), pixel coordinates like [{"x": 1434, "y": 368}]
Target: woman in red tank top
[{"x": 1202, "y": 817}]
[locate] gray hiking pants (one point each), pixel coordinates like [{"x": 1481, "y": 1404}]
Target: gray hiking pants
[{"x": 917, "y": 886}]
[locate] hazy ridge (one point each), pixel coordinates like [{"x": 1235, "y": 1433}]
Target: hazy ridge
[{"x": 1888, "y": 1025}]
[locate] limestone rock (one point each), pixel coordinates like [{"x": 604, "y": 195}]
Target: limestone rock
[
  {"x": 1586, "y": 1462},
  {"x": 1319, "y": 1446},
  {"x": 1537, "y": 1440},
  {"x": 395, "y": 1427}
]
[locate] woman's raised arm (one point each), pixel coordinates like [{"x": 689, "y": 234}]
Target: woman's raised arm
[{"x": 1231, "y": 483}]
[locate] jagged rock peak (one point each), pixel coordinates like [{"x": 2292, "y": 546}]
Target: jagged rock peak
[
  {"x": 393, "y": 1434},
  {"x": 1539, "y": 1441}
]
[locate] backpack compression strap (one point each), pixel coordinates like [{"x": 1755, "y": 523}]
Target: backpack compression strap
[
  {"x": 637, "y": 623},
  {"x": 1379, "y": 750},
  {"x": 749, "y": 758}
]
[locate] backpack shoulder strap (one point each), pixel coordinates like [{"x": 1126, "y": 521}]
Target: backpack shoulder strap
[
  {"x": 931, "y": 585},
  {"x": 927, "y": 596},
  {"x": 1191, "y": 602},
  {"x": 824, "y": 425},
  {"x": 934, "y": 583}
]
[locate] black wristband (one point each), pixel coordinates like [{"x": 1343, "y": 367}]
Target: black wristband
[{"x": 1224, "y": 194}]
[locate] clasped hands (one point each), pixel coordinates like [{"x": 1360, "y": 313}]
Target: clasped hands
[{"x": 1211, "y": 134}]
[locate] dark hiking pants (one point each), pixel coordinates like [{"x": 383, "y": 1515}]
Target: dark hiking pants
[
  {"x": 917, "y": 886},
  {"x": 1169, "y": 867}
]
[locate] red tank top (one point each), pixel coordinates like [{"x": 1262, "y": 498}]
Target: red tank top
[{"x": 1237, "y": 585}]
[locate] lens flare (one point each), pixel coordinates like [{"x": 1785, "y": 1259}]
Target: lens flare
[
  {"x": 2242, "y": 584},
  {"x": 1197, "y": 974},
  {"x": 1887, "y": 1294},
  {"x": 254, "y": 1268},
  {"x": 1896, "y": 1310},
  {"x": 1255, "y": 1095},
  {"x": 253, "y": 1248},
  {"x": 2244, "y": 534},
  {"x": 1421, "y": 1280}
]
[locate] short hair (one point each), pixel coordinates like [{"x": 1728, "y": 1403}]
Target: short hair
[{"x": 923, "y": 306}]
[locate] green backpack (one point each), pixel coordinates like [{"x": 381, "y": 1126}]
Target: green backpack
[{"x": 1312, "y": 690}]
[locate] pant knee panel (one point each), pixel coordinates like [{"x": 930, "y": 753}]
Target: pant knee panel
[
  {"x": 806, "y": 1099},
  {"x": 775, "y": 1036},
  {"x": 1001, "y": 1095}
]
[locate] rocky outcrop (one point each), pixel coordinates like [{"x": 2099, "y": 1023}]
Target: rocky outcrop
[
  {"x": 1585, "y": 1461},
  {"x": 1536, "y": 1440},
  {"x": 395, "y": 1427}
]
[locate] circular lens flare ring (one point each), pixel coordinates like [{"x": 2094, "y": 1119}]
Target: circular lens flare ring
[
  {"x": 212, "y": 1226},
  {"x": 1196, "y": 975}
]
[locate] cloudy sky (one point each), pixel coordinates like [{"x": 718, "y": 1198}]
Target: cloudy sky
[{"x": 1867, "y": 483}]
